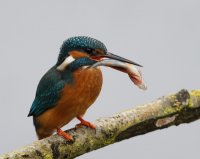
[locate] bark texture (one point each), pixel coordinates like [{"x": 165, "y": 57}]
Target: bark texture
[{"x": 174, "y": 109}]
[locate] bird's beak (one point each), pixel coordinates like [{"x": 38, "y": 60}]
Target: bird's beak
[
  {"x": 119, "y": 58},
  {"x": 124, "y": 65}
]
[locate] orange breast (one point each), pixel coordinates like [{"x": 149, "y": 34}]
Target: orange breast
[{"x": 75, "y": 98}]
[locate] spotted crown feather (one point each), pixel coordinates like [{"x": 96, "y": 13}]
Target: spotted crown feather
[{"x": 77, "y": 43}]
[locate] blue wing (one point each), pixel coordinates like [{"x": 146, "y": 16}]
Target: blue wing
[
  {"x": 51, "y": 85},
  {"x": 48, "y": 92}
]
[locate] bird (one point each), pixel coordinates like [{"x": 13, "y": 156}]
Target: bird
[{"x": 72, "y": 85}]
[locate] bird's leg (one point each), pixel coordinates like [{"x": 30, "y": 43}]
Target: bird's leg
[
  {"x": 85, "y": 123},
  {"x": 64, "y": 134}
]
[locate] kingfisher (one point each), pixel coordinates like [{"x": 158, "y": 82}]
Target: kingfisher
[{"x": 73, "y": 84}]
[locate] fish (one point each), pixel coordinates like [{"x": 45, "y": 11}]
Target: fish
[{"x": 133, "y": 72}]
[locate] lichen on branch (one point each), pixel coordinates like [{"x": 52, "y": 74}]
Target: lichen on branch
[{"x": 174, "y": 109}]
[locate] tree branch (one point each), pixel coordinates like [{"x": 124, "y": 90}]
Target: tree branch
[{"x": 175, "y": 109}]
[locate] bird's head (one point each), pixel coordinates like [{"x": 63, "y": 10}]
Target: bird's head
[{"x": 81, "y": 52}]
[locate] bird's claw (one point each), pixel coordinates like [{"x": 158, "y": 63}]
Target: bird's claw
[
  {"x": 87, "y": 124},
  {"x": 64, "y": 134}
]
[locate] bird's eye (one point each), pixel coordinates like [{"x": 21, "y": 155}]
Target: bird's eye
[{"x": 90, "y": 51}]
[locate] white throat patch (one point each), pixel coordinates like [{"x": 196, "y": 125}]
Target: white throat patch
[{"x": 66, "y": 62}]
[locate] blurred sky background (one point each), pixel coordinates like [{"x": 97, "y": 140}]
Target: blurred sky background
[{"x": 162, "y": 35}]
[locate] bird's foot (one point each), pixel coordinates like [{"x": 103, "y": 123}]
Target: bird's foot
[
  {"x": 64, "y": 134},
  {"x": 85, "y": 123}
]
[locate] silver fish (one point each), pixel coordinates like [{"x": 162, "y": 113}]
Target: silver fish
[{"x": 133, "y": 72}]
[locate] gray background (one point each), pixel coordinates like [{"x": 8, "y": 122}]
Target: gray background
[{"x": 162, "y": 35}]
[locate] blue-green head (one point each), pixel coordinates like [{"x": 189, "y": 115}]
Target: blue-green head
[
  {"x": 82, "y": 44},
  {"x": 85, "y": 51}
]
